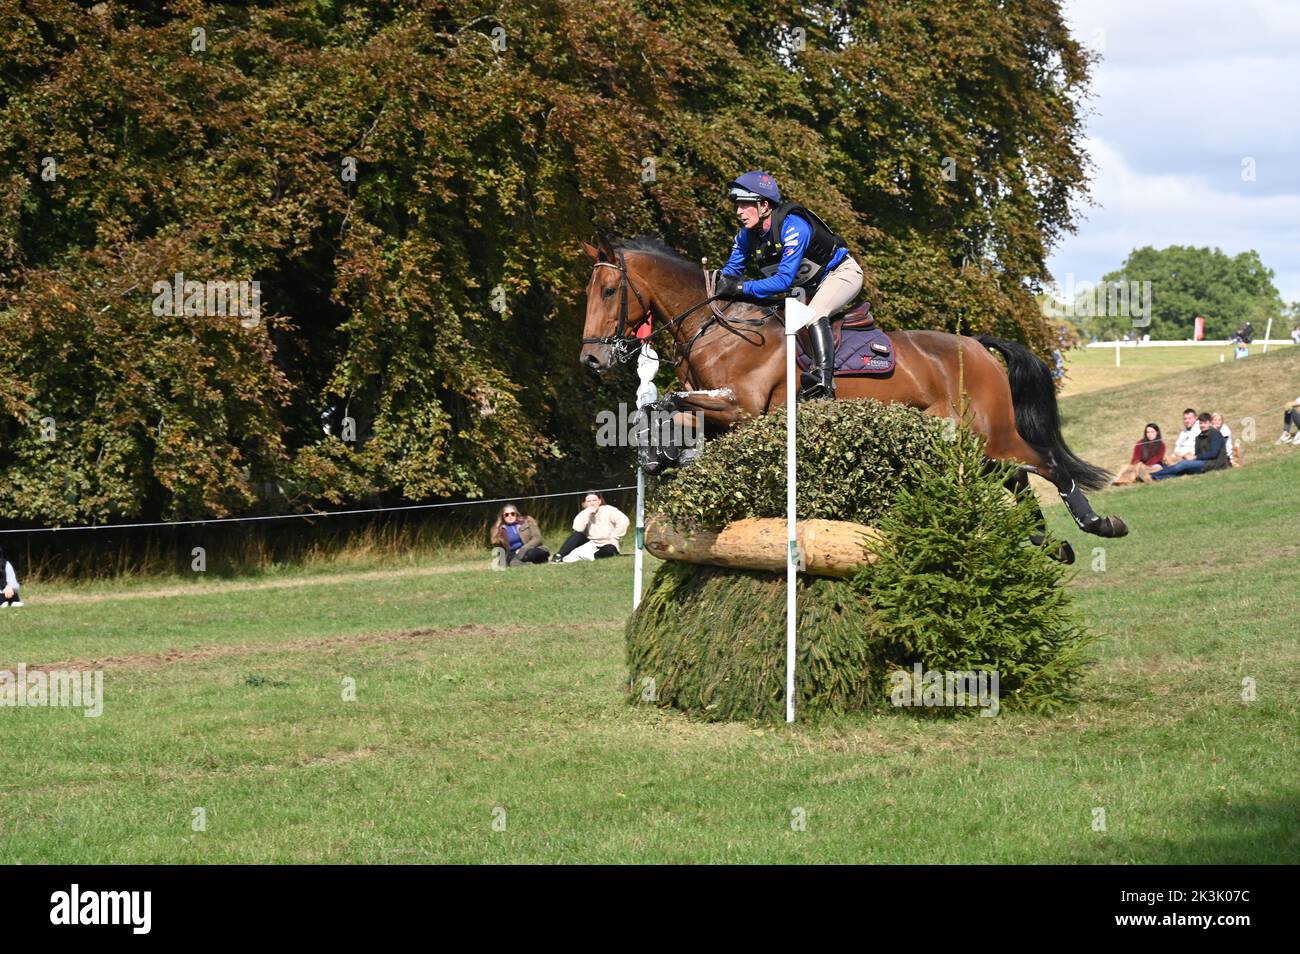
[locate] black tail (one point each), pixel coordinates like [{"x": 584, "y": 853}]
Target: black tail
[{"x": 1038, "y": 420}]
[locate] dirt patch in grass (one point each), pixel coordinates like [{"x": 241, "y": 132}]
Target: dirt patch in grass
[{"x": 204, "y": 653}]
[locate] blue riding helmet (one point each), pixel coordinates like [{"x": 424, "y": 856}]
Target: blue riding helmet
[{"x": 753, "y": 186}]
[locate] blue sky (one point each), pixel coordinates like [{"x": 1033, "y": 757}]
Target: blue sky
[{"x": 1185, "y": 93}]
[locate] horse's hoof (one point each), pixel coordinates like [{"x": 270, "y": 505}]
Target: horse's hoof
[
  {"x": 1115, "y": 527},
  {"x": 1064, "y": 553}
]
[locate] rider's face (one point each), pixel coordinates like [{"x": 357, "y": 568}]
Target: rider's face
[{"x": 749, "y": 213}]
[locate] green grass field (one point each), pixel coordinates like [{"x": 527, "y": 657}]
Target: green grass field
[
  {"x": 487, "y": 698},
  {"x": 1103, "y": 422},
  {"x": 1093, "y": 369}
]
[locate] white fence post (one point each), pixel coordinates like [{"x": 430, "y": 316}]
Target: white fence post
[
  {"x": 797, "y": 314},
  {"x": 646, "y": 367}
]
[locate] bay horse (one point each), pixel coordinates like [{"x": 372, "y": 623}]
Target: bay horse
[{"x": 740, "y": 361}]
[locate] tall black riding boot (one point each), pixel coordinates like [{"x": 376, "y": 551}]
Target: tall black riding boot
[{"x": 823, "y": 348}]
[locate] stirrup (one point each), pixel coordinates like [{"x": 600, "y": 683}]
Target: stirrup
[{"x": 812, "y": 387}]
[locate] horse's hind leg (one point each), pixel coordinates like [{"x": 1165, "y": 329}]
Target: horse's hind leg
[
  {"x": 1018, "y": 483},
  {"x": 1005, "y": 443},
  {"x": 1087, "y": 519},
  {"x": 1029, "y": 377}
]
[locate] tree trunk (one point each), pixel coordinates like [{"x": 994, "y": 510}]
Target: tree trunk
[{"x": 830, "y": 547}]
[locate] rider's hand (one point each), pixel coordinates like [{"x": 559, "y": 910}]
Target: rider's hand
[{"x": 729, "y": 286}]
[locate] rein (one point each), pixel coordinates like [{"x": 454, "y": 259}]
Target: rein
[{"x": 624, "y": 337}]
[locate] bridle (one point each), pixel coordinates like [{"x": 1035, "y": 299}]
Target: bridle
[
  {"x": 623, "y": 337},
  {"x": 625, "y": 341}
]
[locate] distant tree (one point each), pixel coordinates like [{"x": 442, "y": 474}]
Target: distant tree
[{"x": 1186, "y": 282}]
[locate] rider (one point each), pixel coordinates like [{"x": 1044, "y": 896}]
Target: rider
[{"x": 797, "y": 254}]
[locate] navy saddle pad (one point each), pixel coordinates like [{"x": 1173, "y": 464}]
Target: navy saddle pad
[{"x": 862, "y": 351}]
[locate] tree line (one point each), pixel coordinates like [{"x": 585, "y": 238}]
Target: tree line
[{"x": 404, "y": 187}]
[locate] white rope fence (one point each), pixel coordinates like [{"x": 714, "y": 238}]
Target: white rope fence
[{"x": 315, "y": 513}]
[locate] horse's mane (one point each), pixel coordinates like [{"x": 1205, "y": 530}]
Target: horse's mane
[
  {"x": 647, "y": 243},
  {"x": 653, "y": 246}
]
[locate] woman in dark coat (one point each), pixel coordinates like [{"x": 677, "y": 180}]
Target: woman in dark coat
[{"x": 516, "y": 539}]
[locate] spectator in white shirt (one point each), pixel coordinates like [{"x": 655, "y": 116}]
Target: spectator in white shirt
[
  {"x": 596, "y": 531},
  {"x": 1216, "y": 420},
  {"x": 9, "y": 594},
  {"x": 1185, "y": 446}
]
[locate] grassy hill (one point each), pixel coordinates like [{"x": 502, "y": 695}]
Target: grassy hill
[
  {"x": 1093, "y": 369},
  {"x": 487, "y": 697},
  {"x": 1103, "y": 424}
]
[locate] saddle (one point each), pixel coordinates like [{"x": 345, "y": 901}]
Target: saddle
[
  {"x": 861, "y": 348},
  {"x": 859, "y": 316}
]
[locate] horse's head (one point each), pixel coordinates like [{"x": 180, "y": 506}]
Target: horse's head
[{"x": 616, "y": 306}]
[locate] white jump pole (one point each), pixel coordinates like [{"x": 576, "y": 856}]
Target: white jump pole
[
  {"x": 1267, "y": 331},
  {"x": 797, "y": 315},
  {"x": 1117, "y": 349},
  {"x": 646, "y": 367}
]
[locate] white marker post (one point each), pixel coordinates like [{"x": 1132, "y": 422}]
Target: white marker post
[
  {"x": 797, "y": 315},
  {"x": 1267, "y": 331},
  {"x": 646, "y": 367}
]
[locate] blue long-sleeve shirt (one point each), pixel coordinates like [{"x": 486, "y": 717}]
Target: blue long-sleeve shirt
[{"x": 796, "y": 233}]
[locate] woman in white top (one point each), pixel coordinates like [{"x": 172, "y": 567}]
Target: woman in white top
[
  {"x": 1216, "y": 420},
  {"x": 596, "y": 531},
  {"x": 9, "y": 594}
]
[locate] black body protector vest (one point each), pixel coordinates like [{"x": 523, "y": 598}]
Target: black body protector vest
[{"x": 821, "y": 247}]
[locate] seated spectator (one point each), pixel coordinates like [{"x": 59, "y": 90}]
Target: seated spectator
[
  {"x": 1210, "y": 453},
  {"x": 516, "y": 539},
  {"x": 9, "y": 594},
  {"x": 1185, "y": 446},
  {"x": 1291, "y": 416},
  {"x": 596, "y": 531},
  {"x": 1231, "y": 448},
  {"x": 1148, "y": 457}
]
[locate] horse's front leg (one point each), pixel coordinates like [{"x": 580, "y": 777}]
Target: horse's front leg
[
  {"x": 718, "y": 409},
  {"x": 673, "y": 428}
]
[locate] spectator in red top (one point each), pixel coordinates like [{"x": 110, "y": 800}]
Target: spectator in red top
[{"x": 1148, "y": 454}]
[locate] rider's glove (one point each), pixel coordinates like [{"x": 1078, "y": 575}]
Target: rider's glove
[{"x": 729, "y": 286}]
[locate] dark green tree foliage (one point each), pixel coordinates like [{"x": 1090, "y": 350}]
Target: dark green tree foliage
[
  {"x": 1186, "y": 282},
  {"x": 435, "y": 299},
  {"x": 958, "y": 587}
]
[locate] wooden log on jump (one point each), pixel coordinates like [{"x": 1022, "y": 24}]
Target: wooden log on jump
[{"x": 830, "y": 547}]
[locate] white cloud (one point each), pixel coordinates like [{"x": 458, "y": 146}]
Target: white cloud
[
  {"x": 1184, "y": 93},
  {"x": 1136, "y": 209},
  {"x": 1144, "y": 33}
]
